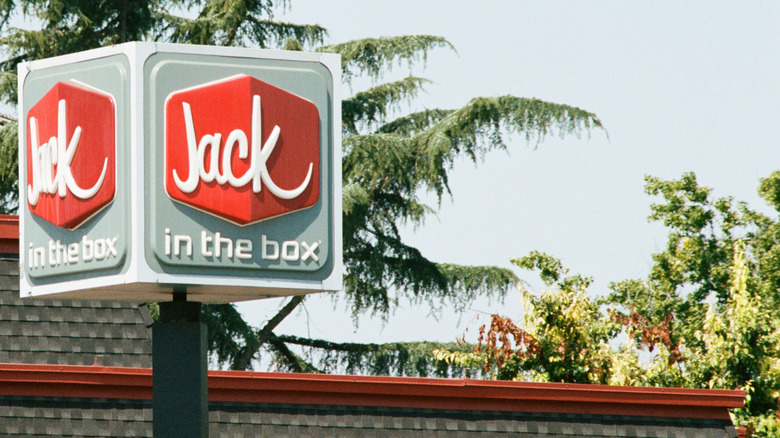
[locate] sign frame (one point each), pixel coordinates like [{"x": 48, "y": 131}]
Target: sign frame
[{"x": 138, "y": 272}]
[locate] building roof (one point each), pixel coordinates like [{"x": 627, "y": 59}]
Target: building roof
[
  {"x": 56, "y": 331},
  {"x": 307, "y": 404},
  {"x": 9, "y": 235},
  {"x": 81, "y": 368}
]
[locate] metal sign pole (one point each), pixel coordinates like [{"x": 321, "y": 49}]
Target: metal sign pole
[{"x": 179, "y": 371}]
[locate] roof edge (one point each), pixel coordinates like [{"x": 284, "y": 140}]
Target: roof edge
[
  {"x": 9, "y": 234},
  {"x": 423, "y": 393}
]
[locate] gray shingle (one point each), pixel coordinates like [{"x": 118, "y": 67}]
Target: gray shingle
[
  {"x": 26, "y": 416},
  {"x": 259, "y": 419},
  {"x": 50, "y": 417},
  {"x": 70, "y": 332}
]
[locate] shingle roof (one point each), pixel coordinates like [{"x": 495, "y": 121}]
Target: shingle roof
[
  {"x": 35, "y": 416},
  {"x": 35, "y": 331},
  {"x": 75, "y": 417},
  {"x": 100, "y": 400},
  {"x": 240, "y": 419}
]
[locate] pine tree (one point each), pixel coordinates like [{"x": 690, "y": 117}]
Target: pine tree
[{"x": 389, "y": 161}]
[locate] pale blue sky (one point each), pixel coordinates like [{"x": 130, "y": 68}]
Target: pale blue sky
[{"x": 680, "y": 86}]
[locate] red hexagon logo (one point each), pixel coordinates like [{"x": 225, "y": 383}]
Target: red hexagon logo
[
  {"x": 242, "y": 149},
  {"x": 71, "y": 154}
]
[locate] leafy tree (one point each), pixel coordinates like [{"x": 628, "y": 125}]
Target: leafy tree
[
  {"x": 390, "y": 157},
  {"x": 706, "y": 316},
  {"x": 563, "y": 337},
  {"x": 716, "y": 282}
]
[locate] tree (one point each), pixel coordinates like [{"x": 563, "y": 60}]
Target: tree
[
  {"x": 563, "y": 336},
  {"x": 704, "y": 318},
  {"x": 390, "y": 158},
  {"x": 717, "y": 282}
]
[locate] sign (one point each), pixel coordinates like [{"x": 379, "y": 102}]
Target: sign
[
  {"x": 67, "y": 129},
  {"x": 145, "y": 167},
  {"x": 222, "y": 163}
]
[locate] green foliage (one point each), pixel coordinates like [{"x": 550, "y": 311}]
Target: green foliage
[
  {"x": 706, "y": 317},
  {"x": 572, "y": 335},
  {"x": 375, "y": 56},
  {"x": 367, "y": 106},
  {"x": 9, "y": 170},
  {"x": 227, "y": 332},
  {"x": 716, "y": 282},
  {"x": 552, "y": 272},
  {"x": 563, "y": 336},
  {"x": 770, "y": 189},
  {"x": 234, "y": 23},
  {"x": 392, "y": 359},
  {"x": 696, "y": 262},
  {"x": 385, "y": 172}
]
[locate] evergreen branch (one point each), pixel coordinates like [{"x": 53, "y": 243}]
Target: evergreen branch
[
  {"x": 384, "y": 167},
  {"x": 7, "y": 8},
  {"x": 478, "y": 128},
  {"x": 227, "y": 331},
  {"x": 353, "y": 197},
  {"x": 263, "y": 32},
  {"x": 119, "y": 21},
  {"x": 474, "y": 281},
  {"x": 287, "y": 359},
  {"x": 414, "y": 123},
  {"x": 373, "y": 269},
  {"x": 237, "y": 23},
  {"x": 386, "y": 263},
  {"x": 395, "y": 358},
  {"x": 378, "y": 261},
  {"x": 368, "y": 106},
  {"x": 243, "y": 360},
  {"x": 74, "y": 26},
  {"x": 384, "y": 173},
  {"x": 186, "y": 30},
  {"x": 378, "y": 162},
  {"x": 220, "y": 21},
  {"x": 9, "y": 170},
  {"x": 8, "y": 65},
  {"x": 24, "y": 45},
  {"x": 9, "y": 86},
  {"x": 293, "y": 44},
  {"x": 374, "y": 56}
]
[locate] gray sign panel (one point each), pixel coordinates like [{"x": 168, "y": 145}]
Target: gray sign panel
[
  {"x": 225, "y": 178},
  {"x": 99, "y": 245},
  {"x": 186, "y": 239}
]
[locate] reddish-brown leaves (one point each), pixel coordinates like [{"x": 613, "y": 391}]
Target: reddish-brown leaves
[
  {"x": 640, "y": 328},
  {"x": 503, "y": 340}
]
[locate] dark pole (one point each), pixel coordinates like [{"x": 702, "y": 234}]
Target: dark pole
[{"x": 179, "y": 370}]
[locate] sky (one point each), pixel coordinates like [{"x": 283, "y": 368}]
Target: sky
[{"x": 679, "y": 86}]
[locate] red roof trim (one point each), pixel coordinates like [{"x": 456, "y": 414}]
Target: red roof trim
[
  {"x": 9, "y": 234},
  {"x": 460, "y": 394}
]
